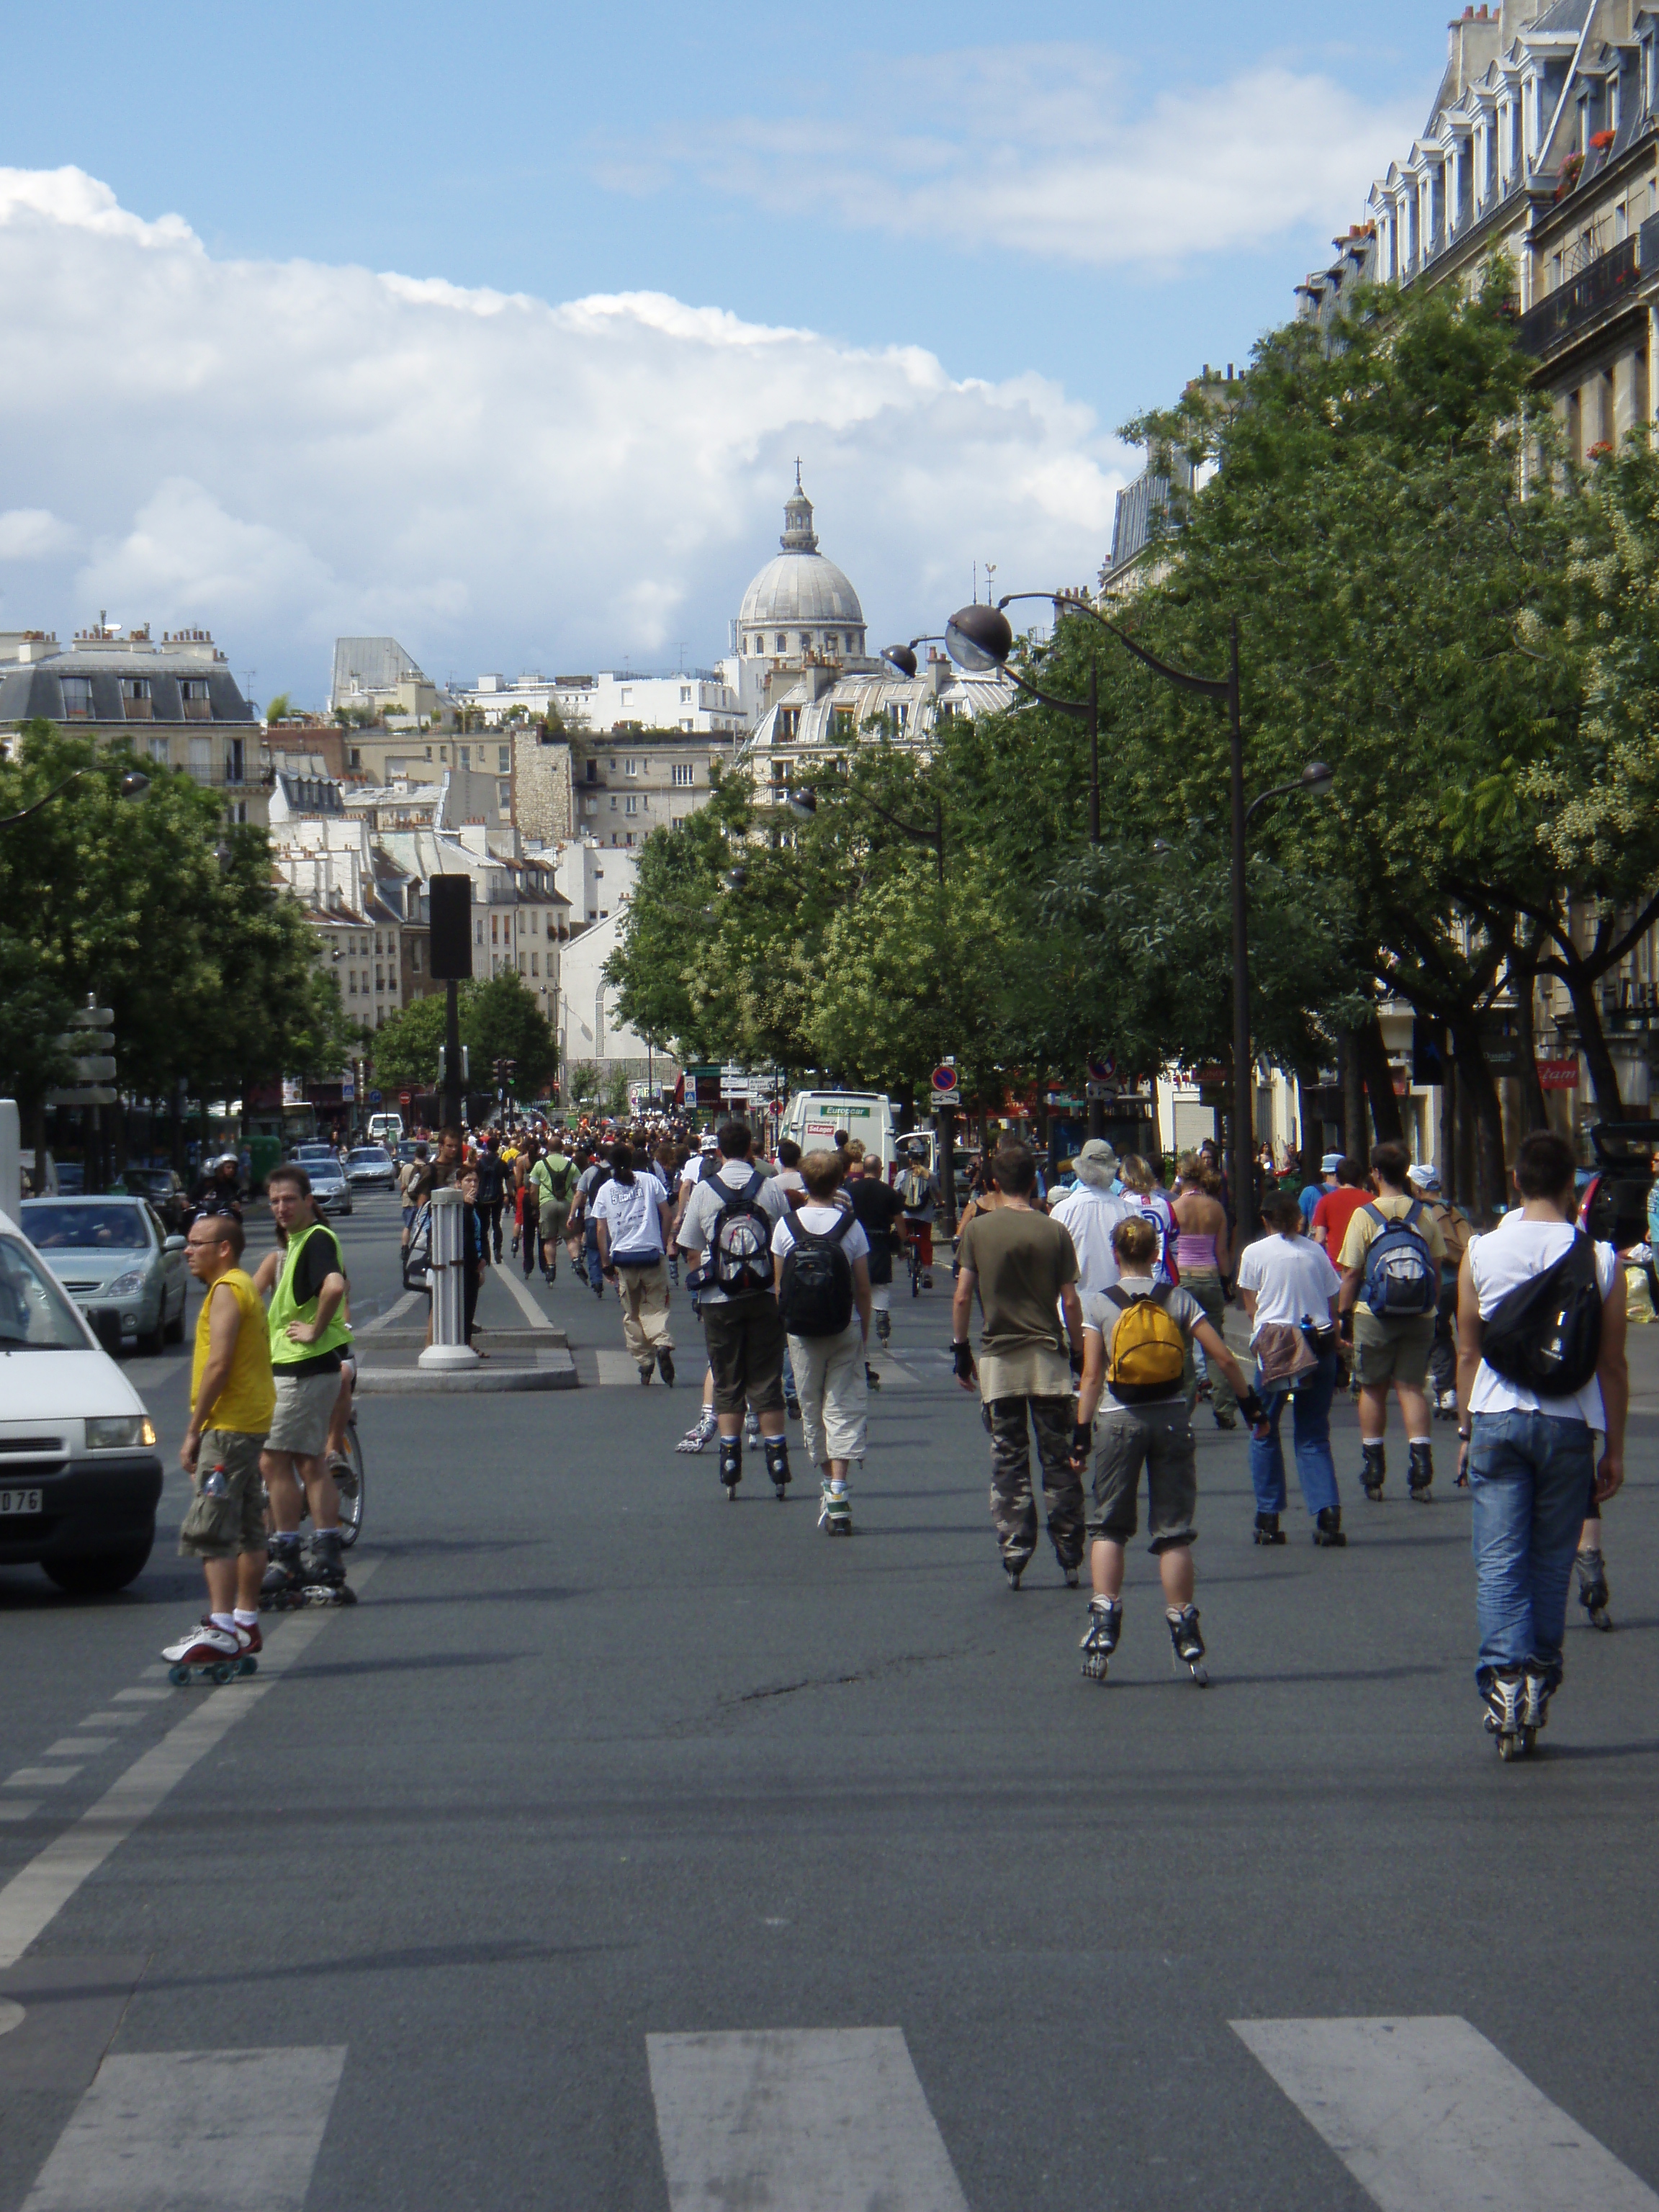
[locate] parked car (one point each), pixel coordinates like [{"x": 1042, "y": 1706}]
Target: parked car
[
  {"x": 330, "y": 1190},
  {"x": 165, "y": 1190},
  {"x": 80, "y": 1477},
  {"x": 115, "y": 1258},
  {"x": 371, "y": 1166}
]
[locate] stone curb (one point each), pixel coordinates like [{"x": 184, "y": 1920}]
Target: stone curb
[{"x": 557, "y": 1373}]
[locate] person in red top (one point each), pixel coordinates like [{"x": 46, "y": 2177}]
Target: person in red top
[{"x": 1338, "y": 1207}]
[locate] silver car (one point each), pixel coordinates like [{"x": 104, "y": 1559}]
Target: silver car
[
  {"x": 371, "y": 1165},
  {"x": 114, "y": 1257},
  {"x": 330, "y": 1190}
]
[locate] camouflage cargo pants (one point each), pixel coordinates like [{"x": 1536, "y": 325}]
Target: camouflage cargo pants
[{"x": 1013, "y": 1509}]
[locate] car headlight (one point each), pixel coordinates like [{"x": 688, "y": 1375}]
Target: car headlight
[
  {"x": 120, "y": 1432},
  {"x": 125, "y": 1286}
]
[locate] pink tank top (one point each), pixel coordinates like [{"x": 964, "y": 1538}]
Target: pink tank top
[{"x": 1195, "y": 1256}]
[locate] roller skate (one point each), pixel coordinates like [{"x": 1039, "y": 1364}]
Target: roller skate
[
  {"x": 1421, "y": 1477},
  {"x": 698, "y": 1437},
  {"x": 1100, "y": 1638},
  {"x": 1506, "y": 1713},
  {"x": 1014, "y": 1565},
  {"x": 1328, "y": 1529},
  {"x": 1267, "y": 1531},
  {"x": 1374, "y": 1471},
  {"x": 284, "y": 1583},
  {"x": 872, "y": 1380},
  {"x": 777, "y": 1464},
  {"x": 731, "y": 1467},
  {"x": 1068, "y": 1569},
  {"x": 1538, "y": 1688},
  {"x": 1593, "y": 1591},
  {"x": 835, "y": 1511},
  {"x": 883, "y": 1329},
  {"x": 1188, "y": 1645},
  {"x": 326, "y": 1582},
  {"x": 207, "y": 1653},
  {"x": 665, "y": 1365}
]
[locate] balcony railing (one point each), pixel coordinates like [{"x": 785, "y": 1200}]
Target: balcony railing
[{"x": 1573, "y": 304}]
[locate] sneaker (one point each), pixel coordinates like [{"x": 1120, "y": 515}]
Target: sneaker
[{"x": 665, "y": 1366}]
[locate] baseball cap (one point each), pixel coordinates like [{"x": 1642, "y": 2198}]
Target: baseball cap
[
  {"x": 1330, "y": 1162},
  {"x": 1425, "y": 1173}
]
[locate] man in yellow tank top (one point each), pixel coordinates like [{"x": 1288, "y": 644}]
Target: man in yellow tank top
[{"x": 232, "y": 1396}]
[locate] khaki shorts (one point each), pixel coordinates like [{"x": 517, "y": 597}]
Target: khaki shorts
[
  {"x": 305, "y": 1405},
  {"x": 224, "y": 1528},
  {"x": 1392, "y": 1350}
]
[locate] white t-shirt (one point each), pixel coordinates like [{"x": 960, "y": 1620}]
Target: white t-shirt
[
  {"x": 1089, "y": 1218},
  {"x": 1158, "y": 1210},
  {"x": 1512, "y": 1254},
  {"x": 1293, "y": 1280},
  {"x": 703, "y": 1210},
  {"x": 819, "y": 1220},
  {"x": 629, "y": 1211},
  {"x": 792, "y": 1179}
]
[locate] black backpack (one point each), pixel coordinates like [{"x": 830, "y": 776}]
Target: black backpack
[
  {"x": 815, "y": 1291},
  {"x": 1546, "y": 1335}
]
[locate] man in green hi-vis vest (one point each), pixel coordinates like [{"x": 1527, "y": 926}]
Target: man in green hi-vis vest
[{"x": 305, "y": 1279}]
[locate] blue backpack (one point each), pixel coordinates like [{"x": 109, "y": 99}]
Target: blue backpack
[{"x": 1400, "y": 1278}]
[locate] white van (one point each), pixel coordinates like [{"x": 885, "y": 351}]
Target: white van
[
  {"x": 387, "y": 1129},
  {"x": 79, "y": 1477},
  {"x": 812, "y": 1117}
]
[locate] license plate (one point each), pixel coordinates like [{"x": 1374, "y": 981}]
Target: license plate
[{"x": 19, "y": 1501}]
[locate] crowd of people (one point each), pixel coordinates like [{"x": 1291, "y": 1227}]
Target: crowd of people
[{"x": 1102, "y": 1307}]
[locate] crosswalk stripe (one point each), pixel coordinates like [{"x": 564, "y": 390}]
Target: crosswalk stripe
[
  {"x": 194, "y": 2131},
  {"x": 1428, "y": 2116},
  {"x": 816, "y": 2119}
]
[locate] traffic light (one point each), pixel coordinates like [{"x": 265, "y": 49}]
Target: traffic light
[{"x": 91, "y": 1038}]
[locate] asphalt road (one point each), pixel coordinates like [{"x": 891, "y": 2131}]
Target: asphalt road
[{"x": 577, "y": 1865}]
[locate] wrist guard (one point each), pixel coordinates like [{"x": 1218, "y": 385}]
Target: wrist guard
[{"x": 962, "y": 1357}]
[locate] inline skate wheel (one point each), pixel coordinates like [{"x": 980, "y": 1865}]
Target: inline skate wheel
[
  {"x": 249, "y": 1664},
  {"x": 178, "y": 1677},
  {"x": 1601, "y": 1618},
  {"x": 1529, "y": 1739},
  {"x": 222, "y": 1672},
  {"x": 1200, "y": 1675},
  {"x": 1509, "y": 1748}
]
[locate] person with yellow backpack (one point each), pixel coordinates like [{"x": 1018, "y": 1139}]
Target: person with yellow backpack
[{"x": 1135, "y": 1340}]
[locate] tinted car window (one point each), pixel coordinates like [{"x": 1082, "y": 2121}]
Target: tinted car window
[{"x": 87, "y": 1228}]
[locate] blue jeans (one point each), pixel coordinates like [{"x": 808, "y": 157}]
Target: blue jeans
[
  {"x": 1310, "y": 1415},
  {"x": 1529, "y": 1475},
  {"x": 590, "y": 1254}
]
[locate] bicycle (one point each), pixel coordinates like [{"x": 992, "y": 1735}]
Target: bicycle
[{"x": 913, "y": 1260}]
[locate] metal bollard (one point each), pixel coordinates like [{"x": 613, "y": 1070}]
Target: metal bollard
[{"x": 447, "y": 1347}]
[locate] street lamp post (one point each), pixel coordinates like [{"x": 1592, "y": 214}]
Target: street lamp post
[
  {"x": 982, "y": 636},
  {"x": 133, "y": 785}
]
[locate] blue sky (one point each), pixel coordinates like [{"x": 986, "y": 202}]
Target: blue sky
[{"x": 1096, "y": 199}]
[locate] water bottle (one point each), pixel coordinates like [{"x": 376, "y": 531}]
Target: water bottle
[{"x": 216, "y": 1486}]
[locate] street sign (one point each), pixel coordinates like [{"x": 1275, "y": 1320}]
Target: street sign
[
  {"x": 91, "y": 1094},
  {"x": 1559, "y": 1074},
  {"x": 1102, "y": 1091},
  {"x": 944, "y": 1079},
  {"x": 374, "y": 1097},
  {"x": 943, "y": 1098},
  {"x": 1102, "y": 1068}
]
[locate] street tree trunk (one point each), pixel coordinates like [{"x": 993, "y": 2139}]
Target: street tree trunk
[{"x": 1373, "y": 1056}]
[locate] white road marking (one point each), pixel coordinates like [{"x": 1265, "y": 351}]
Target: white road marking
[
  {"x": 37, "y": 1777},
  {"x": 142, "y": 1696},
  {"x": 186, "y": 2131},
  {"x": 1428, "y": 2116},
  {"x": 18, "y": 1809},
  {"x": 893, "y": 1372},
  {"x": 37, "y": 1892},
  {"x": 616, "y": 1366},
  {"x": 520, "y": 1294},
  {"x": 112, "y": 1720},
  {"x": 812, "y": 2119},
  {"x": 68, "y": 1747},
  {"x": 392, "y": 1312}
]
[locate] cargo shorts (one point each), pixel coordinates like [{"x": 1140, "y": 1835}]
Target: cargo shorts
[
  {"x": 225, "y": 1528},
  {"x": 1392, "y": 1350},
  {"x": 1160, "y": 1439}
]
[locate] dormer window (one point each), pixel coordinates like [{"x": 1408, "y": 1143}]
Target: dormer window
[{"x": 78, "y": 698}]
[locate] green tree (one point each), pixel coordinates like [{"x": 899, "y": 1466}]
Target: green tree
[
  {"x": 499, "y": 1019},
  {"x": 281, "y": 705}
]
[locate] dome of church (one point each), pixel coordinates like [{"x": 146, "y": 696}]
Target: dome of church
[{"x": 799, "y": 587}]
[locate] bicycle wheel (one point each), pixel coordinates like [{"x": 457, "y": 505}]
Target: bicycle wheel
[{"x": 350, "y": 1486}]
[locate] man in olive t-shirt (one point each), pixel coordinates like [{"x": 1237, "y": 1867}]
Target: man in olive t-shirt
[{"x": 1024, "y": 1267}]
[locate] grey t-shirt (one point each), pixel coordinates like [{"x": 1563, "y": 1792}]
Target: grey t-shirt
[
  {"x": 697, "y": 1231},
  {"x": 1102, "y": 1314}
]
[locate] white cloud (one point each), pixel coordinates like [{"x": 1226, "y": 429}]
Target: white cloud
[
  {"x": 28, "y": 532},
  {"x": 1056, "y": 152},
  {"x": 284, "y": 452}
]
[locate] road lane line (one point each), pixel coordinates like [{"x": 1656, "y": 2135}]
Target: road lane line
[
  {"x": 37, "y": 1892},
  {"x": 1428, "y": 2116},
  {"x": 142, "y": 1696},
  {"x": 70, "y": 1746},
  {"x": 392, "y": 1312},
  {"x": 37, "y": 1777},
  {"x": 112, "y": 1720},
  {"x": 19, "y": 1808},
  {"x": 816, "y": 2119},
  {"x": 520, "y": 1293},
  {"x": 187, "y": 2131}
]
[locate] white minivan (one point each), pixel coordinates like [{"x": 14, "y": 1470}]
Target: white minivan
[
  {"x": 812, "y": 1117},
  {"x": 79, "y": 1477}
]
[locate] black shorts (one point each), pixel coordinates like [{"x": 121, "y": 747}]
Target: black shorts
[{"x": 745, "y": 1338}]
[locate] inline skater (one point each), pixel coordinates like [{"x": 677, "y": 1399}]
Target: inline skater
[
  {"x": 555, "y": 1176},
  {"x": 1289, "y": 1288},
  {"x": 633, "y": 1221},
  {"x": 1204, "y": 1258},
  {"x": 305, "y": 1279},
  {"x": 823, "y": 1295},
  {"x": 879, "y": 1213},
  {"x": 1455, "y": 1229},
  {"x": 1542, "y": 1373},
  {"x": 492, "y": 1191},
  {"x": 1141, "y": 1192},
  {"x": 1023, "y": 1268},
  {"x": 1391, "y": 1261},
  {"x": 726, "y": 1234},
  {"x": 1135, "y": 1346},
  {"x": 1089, "y": 1210},
  {"x": 231, "y": 1398}
]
